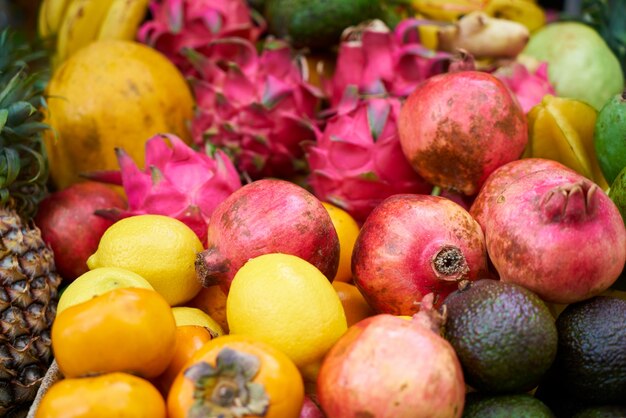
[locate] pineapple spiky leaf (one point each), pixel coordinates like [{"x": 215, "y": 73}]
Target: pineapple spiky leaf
[{"x": 23, "y": 162}]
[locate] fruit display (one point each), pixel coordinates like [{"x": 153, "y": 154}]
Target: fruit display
[{"x": 312, "y": 209}]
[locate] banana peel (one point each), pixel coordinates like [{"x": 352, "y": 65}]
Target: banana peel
[
  {"x": 562, "y": 129},
  {"x": 525, "y": 12}
]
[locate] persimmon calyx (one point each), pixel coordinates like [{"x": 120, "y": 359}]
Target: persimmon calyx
[{"x": 226, "y": 390}]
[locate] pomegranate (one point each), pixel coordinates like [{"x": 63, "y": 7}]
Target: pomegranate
[
  {"x": 412, "y": 245},
  {"x": 70, "y": 226},
  {"x": 502, "y": 177},
  {"x": 556, "y": 233},
  {"x": 310, "y": 409},
  {"x": 267, "y": 216},
  {"x": 457, "y": 128},
  {"x": 389, "y": 367}
]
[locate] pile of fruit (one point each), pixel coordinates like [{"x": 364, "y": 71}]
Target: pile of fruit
[{"x": 309, "y": 209}]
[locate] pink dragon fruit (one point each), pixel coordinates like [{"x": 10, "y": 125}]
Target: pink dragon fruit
[
  {"x": 357, "y": 161},
  {"x": 378, "y": 61},
  {"x": 179, "y": 24},
  {"x": 178, "y": 182},
  {"x": 258, "y": 107},
  {"x": 529, "y": 86}
]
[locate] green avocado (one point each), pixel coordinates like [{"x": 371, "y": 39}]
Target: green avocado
[
  {"x": 504, "y": 336},
  {"x": 591, "y": 359},
  {"x": 504, "y": 406},
  {"x": 610, "y": 137},
  {"x": 317, "y": 24}
]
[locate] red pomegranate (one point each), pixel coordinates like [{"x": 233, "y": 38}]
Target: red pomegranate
[
  {"x": 412, "y": 245},
  {"x": 389, "y": 367},
  {"x": 457, "y": 128},
  {"x": 70, "y": 226}
]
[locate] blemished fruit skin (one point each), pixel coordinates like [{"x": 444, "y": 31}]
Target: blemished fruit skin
[
  {"x": 457, "y": 128},
  {"x": 412, "y": 245},
  {"x": 521, "y": 405},
  {"x": 112, "y": 94},
  {"x": 317, "y": 24},
  {"x": 504, "y": 335},
  {"x": 610, "y": 137},
  {"x": 389, "y": 367},
  {"x": 534, "y": 230},
  {"x": 70, "y": 226}
]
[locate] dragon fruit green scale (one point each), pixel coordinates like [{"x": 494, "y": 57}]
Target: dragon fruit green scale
[
  {"x": 178, "y": 182},
  {"x": 357, "y": 161}
]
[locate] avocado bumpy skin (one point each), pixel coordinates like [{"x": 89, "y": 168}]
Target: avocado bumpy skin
[{"x": 503, "y": 334}]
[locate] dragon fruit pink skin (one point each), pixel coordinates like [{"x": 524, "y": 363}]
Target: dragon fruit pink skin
[
  {"x": 178, "y": 182},
  {"x": 379, "y": 61},
  {"x": 180, "y": 24},
  {"x": 357, "y": 161},
  {"x": 529, "y": 87},
  {"x": 258, "y": 107}
]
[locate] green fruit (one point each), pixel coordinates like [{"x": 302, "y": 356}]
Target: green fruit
[
  {"x": 504, "y": 406},
  {"x": 591, "y": 361},
  {"x": 610, "y": 137},
  {"x": 617, "y": 192},
  {"x": 503, "y": 334},
  {"x": 580, "y": 64},
  {"x": 317, "y": 23},
  {"x": 602, "y": 412}
]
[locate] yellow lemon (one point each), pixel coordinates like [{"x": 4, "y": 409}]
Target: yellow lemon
[
  {"x": 285, "y": 301},
  {"x": 185, "y": 315},
  {"x": 160, "y": 249},
  {"x": 347, "y": 231},
  {"x": 96, "y": 282}
]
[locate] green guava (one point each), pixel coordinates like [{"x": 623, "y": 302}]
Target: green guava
[{"x": 580, "y": 63}]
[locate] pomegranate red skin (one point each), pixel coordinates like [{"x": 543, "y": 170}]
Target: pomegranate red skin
[
  {"x": 70, "y": 226},
  {"x": 310, "y": 409},
  {"x": 389, "y": 367},
  {"x": 502, "y": 177},
  {"x": 267, "y": 216},
  {"x": 457, "y": 128},
  {"x": 558, "y": 234},
  {"x": 392, "y": 261}
]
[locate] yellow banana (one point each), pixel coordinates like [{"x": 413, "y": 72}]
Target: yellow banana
[
  {"x": 525, "y": 12},
  {"x": 80, "y": 26},
  {"x": 51, "y": 14},
  {"x": 446, "y": 10},
  {"x": 123, "y": 19}
]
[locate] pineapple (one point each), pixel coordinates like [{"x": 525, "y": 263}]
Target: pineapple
[{"x": 28, "y": 279}]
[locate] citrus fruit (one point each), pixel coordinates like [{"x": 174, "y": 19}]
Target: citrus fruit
[
  {"x": 112, "y": 94},
  {"x": 96, "y": 282},
  {"x": 212, "y": 301},
  {"x": 347, "y": 231},
  {"x": 503, "y": 334},
  {"x": 105, "y": 396},
  {"x": 125, "y": 330},
  {"x": 354, "y": 304},
  {"x": 285, "y": 301},
  {"x": 184, "y": 315},
  {"x": 160, "y": 249},
  {"x": 237, "y": 372}
]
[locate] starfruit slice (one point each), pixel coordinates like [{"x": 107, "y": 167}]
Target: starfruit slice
[{"x": 561, "y": 129}]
